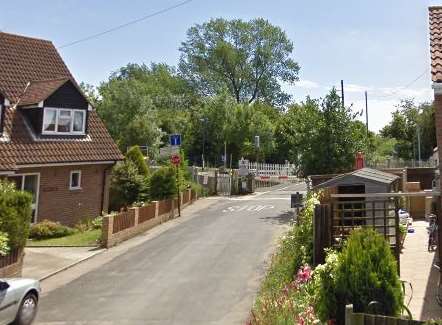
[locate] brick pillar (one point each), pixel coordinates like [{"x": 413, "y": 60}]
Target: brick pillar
[
  {"x": 136, "y": 213},
  {"x": 438, "y": 122},
  {"x": 157, "y": 205},
  {"x": 107, "y": 230}
]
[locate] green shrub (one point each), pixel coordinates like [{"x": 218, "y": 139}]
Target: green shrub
[
  {"x": 88, "y": 224},
  {"x": 15, "y": 214},
  {"x": 280, "y": 299},
  {"x": 97, "y": 223},
  {"x": 4, "y": 247},
  {"x": 363, "y": 272},
  {"x": 199, "y": 189},
  {"x": 163, "y": 183},
  {"x": 325, "y": 286},
  {"x": 135, "y": 155},
  {"x": 127, "y": 186},
  {"x": 49, "y": 229}
]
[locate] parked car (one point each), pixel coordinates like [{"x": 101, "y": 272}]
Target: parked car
[
  {"x": 404, "y": 217},
  {"x": 18, "y": 300}
]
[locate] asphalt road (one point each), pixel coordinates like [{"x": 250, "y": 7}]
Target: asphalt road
[{"x": 206, "y": 270}]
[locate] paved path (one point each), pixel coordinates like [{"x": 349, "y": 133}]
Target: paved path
[
  {"x": 205, "y": 270},
  {"x": 41, "y": 262},
  {"x": 417, "y": 268}
]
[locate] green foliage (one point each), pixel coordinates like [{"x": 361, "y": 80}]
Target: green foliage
[
  {"x": 141, "y": 105},
  {"x": 320, "y": 136},
  {"x": 163, "y": 183},
  {"x": 97, "y": 223},
  {"x": 15, "y": 214},
  {"x": 326, "y": 304},
  {"x": 406, "y": 121},
  {"x": 4, "y": 244},
  {"x": 363, "y": 272},
  {"x": 249, "y": 59},
  {"x": 281, "y": 300},
  {"x": 135, "y": 155},
  {"x": 127, "y": 186},
  {"x": 49, "y": 229}
]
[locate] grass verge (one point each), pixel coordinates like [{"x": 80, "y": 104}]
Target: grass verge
[{"x": 85, "y": 238}]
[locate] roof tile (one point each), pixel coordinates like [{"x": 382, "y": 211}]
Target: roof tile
[{"x": 30, "y": 71}]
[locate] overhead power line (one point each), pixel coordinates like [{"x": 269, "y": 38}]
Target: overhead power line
[
  {"x": 404, "y": 87},
  {"x": 135, "y": 21}
]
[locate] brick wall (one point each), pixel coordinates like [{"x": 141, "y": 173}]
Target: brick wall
[
  {"x": 57, "y": 202},
  {"x": 145, "y": 218}
]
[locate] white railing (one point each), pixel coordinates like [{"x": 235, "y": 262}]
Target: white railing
[{"x": 265, "y": 169}]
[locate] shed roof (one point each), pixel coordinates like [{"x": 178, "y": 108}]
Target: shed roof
[{"x": 372, "y": 175}]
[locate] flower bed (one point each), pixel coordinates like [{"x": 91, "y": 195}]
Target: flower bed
[{"x": 362, "y": 272}]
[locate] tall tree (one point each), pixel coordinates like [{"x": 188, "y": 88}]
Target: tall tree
[
  {"x": 321, "y": 136},
  {"x": 247, "y": 58},
  {"x": 407, "y": 121}
]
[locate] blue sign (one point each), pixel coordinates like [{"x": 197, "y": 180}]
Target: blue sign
[{"x": 175, "y": 139}]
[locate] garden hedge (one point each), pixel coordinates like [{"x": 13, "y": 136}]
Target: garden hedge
[{"x": 15, "y": 214}]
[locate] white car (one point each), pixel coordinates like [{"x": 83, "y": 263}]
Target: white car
[
  {"x": 18, "y": 300},
  {"x": 404, "y": 217}
]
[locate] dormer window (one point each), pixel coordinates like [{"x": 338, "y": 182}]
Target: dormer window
[{"x": 64, "y": 121}]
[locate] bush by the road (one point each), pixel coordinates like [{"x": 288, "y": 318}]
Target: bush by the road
[
  {"x": 49, "y": 229},
  {"x": 163, "y": 183},
  {"x": 127, "y": 186},
  {"x": 135, "y": 155},
  {"x": 15, "y": 215},
  {"x": 365, "y": 271},
  {"x": 284, "y": 298}
]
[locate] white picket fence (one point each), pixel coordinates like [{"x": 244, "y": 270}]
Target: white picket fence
[{"x": 264, "y": 169}]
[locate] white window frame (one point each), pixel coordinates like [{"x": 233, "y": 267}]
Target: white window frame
[
  {"x": 57, "y": 113},
  {"x": 72, "y": 188}
]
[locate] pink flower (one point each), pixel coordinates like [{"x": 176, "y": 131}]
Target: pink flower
[{"x": 304, "y": 274}]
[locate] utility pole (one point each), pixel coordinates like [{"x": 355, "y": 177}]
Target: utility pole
[
  {"x": 418, "y": 144},
  {"x": 342, "y": 93},
  {"x": 366, "y": 112}
]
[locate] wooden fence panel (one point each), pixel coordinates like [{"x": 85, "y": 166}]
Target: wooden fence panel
[
  {"x": 146, "y": 213},
  {"x": 321, "y": 232},
  {"x": 11, "y": 258},
  {"x": 165, "y": 206},
  {"x": 352, "y": 318},
  {"x": 124, "y": 220}
]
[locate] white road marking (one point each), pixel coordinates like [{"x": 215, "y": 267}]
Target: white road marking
[{"x": 251, "y": 208}]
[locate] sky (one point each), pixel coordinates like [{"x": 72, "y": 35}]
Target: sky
[{"x": 378, "y": 46}]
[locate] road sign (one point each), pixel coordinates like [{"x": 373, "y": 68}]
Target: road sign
[
  {"x": 175, "y": 139},
  {"x": 243, "y": 170},
  {"x": 296, "y": 200},
  {"x": 175, "y": 159}
]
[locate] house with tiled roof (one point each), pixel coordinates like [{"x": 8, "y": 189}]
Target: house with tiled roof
[
  {"x": 435, "y": 22},
  {"x": 52, "y": 142}
]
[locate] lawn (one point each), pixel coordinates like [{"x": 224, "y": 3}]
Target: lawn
[{"x": 85, "y": 238}]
